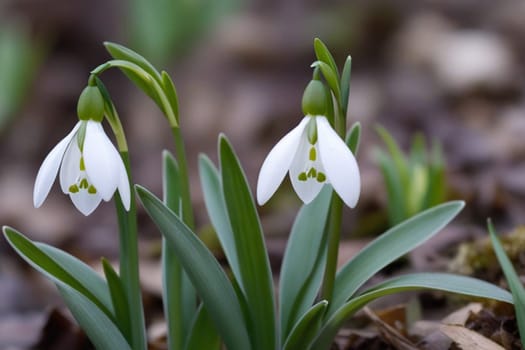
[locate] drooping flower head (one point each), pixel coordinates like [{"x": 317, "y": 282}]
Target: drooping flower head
[
  {"x": 313, "y": 154},
  {"x": 91, "y": 169}
]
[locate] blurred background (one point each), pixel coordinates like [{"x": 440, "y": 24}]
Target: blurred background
[{"x": 450, "y": 70}]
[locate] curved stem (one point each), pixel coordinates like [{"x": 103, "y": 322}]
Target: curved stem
[{"x": 146, "y": 82}]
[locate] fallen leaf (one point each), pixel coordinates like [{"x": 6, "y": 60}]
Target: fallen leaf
[{"x": 468, "y": 339}]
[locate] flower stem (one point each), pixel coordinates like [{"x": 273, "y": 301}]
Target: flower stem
[
  {"x": 179, "y": 294},
  {"x": 129, "y": 264},
  {"x": 187, "y": 210},
  {"x": 334, "y": 225},
  {"x": 334, "y": 236}
]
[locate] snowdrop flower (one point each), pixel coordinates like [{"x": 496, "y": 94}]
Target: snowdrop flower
[
  {"x": 91, "y": 169},
  {"x": 313, "y": 154}
]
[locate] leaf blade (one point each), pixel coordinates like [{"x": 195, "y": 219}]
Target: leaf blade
[
  {"x": 99, "y": 328},
  {"x": 61, "y": 268},
  {"x": 304, "y": 331},
  {"x": 304, "y": 246},
  {"x": 437, "y": 281},
  {"x": 251, "y": 249},
  {"x": 516, "y": 287},
  {"x": 202, "y": 268},
  {"x": 389, "y": 246}
]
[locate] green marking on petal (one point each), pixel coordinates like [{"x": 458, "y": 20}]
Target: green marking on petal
[
  {"x": 84, "y": 183},
  {"x": 321, "y": 177},
  {"x": 313, "y": 154},
  {"x": 73, "y": 189},
  {"x": 312, "y": 173},
  {"x": 92, "y": 189},
  {"x": 302, "y": 176}
]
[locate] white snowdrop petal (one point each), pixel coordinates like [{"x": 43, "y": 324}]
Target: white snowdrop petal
[
  {"x": 123, "y": 186},
  {"x": 48, "y": 170},
  {"x": 309, "y": 189},
  {"x": 85, "y": 202},
  {"x": 277, "y": 163},
  {"x": 101, "y": 160},
  {"x": 339, "y": 163},
  {"x": 70, "y": 169}
]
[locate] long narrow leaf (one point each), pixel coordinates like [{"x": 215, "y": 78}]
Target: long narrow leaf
[
  {"x": 436, "y": 281},
  {"x": 203, "y": 334},
  {"x": 62, "y": 269},
  {"x": 251, "y": 250},
  {"x": 389, "y": 246},
  {"x": 515, "y": 284},
  {"x": 396, "y": 154},
  {"x": 305, "y": 330},
  {"x": 204, "y": 271},
  {"x": 102, "y": 332},
  {"x": 119, "y": 299},
  {"x": 171, "y": 93},
  {"x": 345, "y": 84},
  {"x": 353, "y": 137},
  {"x": 142, "y": 79},
  {"x": 120, "y": 52},
  {"x": 396, "y": 198},
  {"x": 324, "y": 55},
  {"x": 216, "y": 208},
  {"x": 302, "y": 251},
  {"x": 331, "y": 79}
]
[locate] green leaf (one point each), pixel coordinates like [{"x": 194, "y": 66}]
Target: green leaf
[
  {"x": 254, "y": 264},
  {"x": 323, "y": 54},
  {"x": 418, "y": 153},
  {"x": 345, "y": 84},
  {"x": 118, "y": 298},
  {"x": 204, "y": 271},
  {"x": 305, "y": 245},
  {"x": 397, "y": 156},
  {"x": 62, "y": 269},
  {"x": 396, "y": 204},
  {"x": 99, "y": 328},
  {"x": 331, "y": 79},
  {"x": 171, "y": 93},
  {"x": 391, "y": 245},
  {"x": 436, "y": 281},
  {"x": 305, "y": 330},
  {"x": 178, "y": 294},
  {"x": 216, "y": 208},
  {"x": 203, "y": 334},
  {"x": 514, "y": 281},
  {"x": 142, "y": 79},
  {"x": 353, "y": 137},
  {"x": 120, "y": 52},
  {"x": 437, "y": 186}
]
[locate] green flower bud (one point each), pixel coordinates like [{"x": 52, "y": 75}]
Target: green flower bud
[
  {"x": 90, "y": 104},
  {"x": 314, "y": 98}
]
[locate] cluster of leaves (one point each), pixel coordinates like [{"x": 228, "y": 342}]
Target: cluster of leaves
[
  {"x": 414, "y": 182},
  {"x": 239, "y": 310}
]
